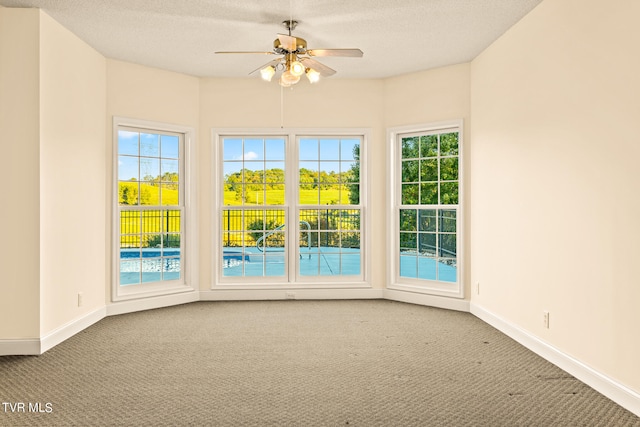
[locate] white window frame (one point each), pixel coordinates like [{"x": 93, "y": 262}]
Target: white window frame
[
  {"x": 396, "y": 282},
  {"x": 291, "y": 280},
  {"x": 189, "y": 256}
]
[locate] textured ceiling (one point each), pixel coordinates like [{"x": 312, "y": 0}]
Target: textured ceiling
[{"x": 396, "y": 36}]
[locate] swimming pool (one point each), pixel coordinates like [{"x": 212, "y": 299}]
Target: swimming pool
[
  {"x": 150, "y": 265},
  {"x": 416, "y": 266},
  {"x": 319, "y": 261}
]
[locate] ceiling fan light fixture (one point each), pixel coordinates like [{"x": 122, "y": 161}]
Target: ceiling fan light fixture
[
  {"x": 294, "y": 59},
  {"x": 312, "y": 75},
  {"x": 296, "y": 68},
  {"x": 267, "y": 73},
  {"x": 288, "y": 78}
]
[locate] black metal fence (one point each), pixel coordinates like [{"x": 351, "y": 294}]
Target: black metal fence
[
  {"x": 318, "y": 227},
  {"x": 150, "y": 228}
]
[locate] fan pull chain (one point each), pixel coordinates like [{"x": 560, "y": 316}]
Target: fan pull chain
[{"x": 281, "y": 107}]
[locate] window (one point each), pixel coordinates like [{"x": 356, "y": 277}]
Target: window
[
  {"x": 290, "y": 209},
  {"x": 426, "y": 208},
  {"x": 329, "y": 201},
  {"x": 254, "y": 213},
  {"x": 151, "y": 209}
]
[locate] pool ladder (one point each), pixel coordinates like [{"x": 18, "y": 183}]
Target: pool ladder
[{"x": 262, "y": 239}]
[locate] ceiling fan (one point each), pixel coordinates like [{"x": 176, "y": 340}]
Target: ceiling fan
[{"x": 296, "y": 59}]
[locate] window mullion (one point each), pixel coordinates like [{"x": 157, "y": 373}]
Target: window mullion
[{"x": 293, "y": 195}]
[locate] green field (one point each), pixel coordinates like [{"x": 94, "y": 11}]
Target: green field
[
  {"x": 156, "y": 222},
  {"x": 147, "y": 194},
  {"x": 329, "y": 196},
  {"x": 152, "y": 223}
]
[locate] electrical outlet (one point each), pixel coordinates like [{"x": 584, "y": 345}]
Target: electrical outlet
[
  {"x": 290, "y": 295},
  {"x": 545, "y": 318},
  {"x": 80, "y": 299},
  {"x": 477, "y": 288}
]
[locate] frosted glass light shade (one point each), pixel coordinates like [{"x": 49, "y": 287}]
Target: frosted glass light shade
[
  {"x": 313, "y": 75},
  {"x": 287, "y": 79},
  {"x": 267, "y": 73}
]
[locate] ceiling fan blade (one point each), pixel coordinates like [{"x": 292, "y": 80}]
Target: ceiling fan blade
[
  {"x": 288, "y": 42},
  {"x": 355, "y": 53},
  {"x": 249, "y": 52},
  {"x": 272, "y": 63},
  {"x": 321, "y": 68}
]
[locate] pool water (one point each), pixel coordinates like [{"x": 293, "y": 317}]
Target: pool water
[
  {"x": 422, "y": 267},
  {"x": 151, "y": 265},
  {"x": 323, "y": 261}
]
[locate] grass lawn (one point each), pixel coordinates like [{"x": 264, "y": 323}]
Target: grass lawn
[
  {"x": 154, "y": 223},
  {"x": 329, "y": 196}
]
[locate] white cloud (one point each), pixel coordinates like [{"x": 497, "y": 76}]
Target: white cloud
[{"x": 250, "y": 155}]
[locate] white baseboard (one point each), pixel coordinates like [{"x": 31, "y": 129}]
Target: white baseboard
[
  {"x": 130, "y": 306},
  {"x": 37, "y": 346},
  {"x": 615, "y": 391},
  {"x": 291, "y": 294},
  {"x": 428, "y": 300},
  {"x": 68, "y": 330}
]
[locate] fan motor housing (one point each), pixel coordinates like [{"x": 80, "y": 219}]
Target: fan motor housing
[{"x": 301, "y": 46}]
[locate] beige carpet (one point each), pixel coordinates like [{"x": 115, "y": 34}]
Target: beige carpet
[{"x": 297, "y": 363}]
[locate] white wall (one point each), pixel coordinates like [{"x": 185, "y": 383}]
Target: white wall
[
  {"x": 555, "y": 213},
  {"x": 20, "y": 194},
  {"x": 72, "y": 176},
  {"x": 429, "y": 96},
  {"x": 52, "y": 117},
  {"x": 151, "y": 94}
]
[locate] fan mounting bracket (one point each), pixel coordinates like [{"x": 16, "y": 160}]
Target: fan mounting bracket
[{"x": 290, "y": 25}]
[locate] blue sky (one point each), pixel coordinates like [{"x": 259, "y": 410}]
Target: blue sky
[
  {"x": 328, "y": 154},
  {"x": 158, "y": 154}
]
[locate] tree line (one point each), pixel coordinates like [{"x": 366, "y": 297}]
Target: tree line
[
  {"x": 133, "y": 192},
  {"x": 274, "y": 179}
]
